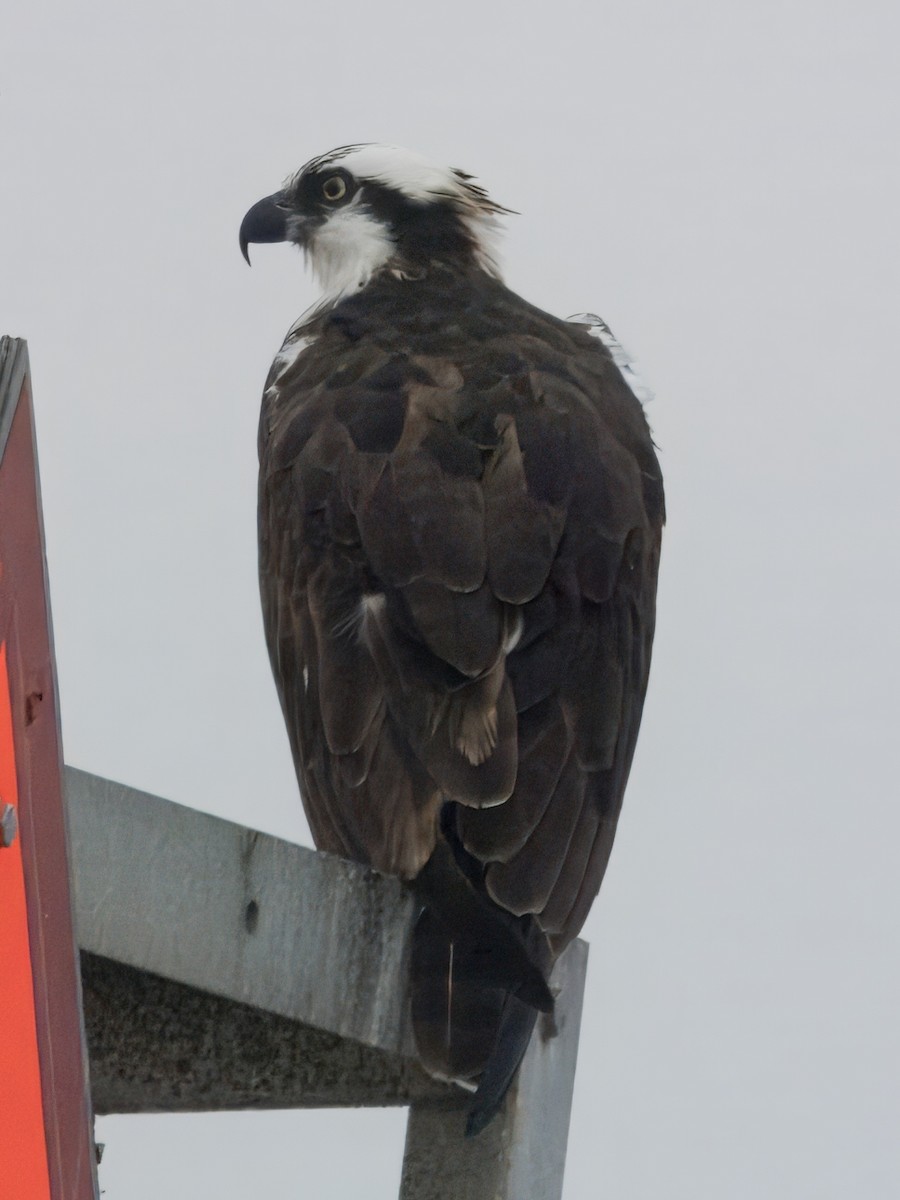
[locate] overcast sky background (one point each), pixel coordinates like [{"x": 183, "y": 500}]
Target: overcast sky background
[{"x": 720, "y": 181}]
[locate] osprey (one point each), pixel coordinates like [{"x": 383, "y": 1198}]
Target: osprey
[{"x": 460, "y": 512}]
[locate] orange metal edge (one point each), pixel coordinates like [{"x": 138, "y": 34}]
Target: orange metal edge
[
  {"x": 25, "y": 1171},
  {"x": 37, "y": 764}
]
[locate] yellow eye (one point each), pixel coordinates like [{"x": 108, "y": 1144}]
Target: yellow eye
[{"x": 334, "y": 188}]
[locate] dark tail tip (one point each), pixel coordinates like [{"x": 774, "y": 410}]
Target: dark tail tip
[
  {"x": 477, "y": 1120},
  {"x": 516, "y": 1026}
]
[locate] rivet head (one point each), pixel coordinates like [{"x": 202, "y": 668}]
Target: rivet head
[{"x": 9, "y": 825}]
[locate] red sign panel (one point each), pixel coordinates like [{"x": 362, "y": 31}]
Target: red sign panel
[
  {"x": 24, "y": 1171},
  {"x": 48, "y": 1151}
]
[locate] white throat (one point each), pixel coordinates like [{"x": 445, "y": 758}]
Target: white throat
[{"x": 347, "y": 251}]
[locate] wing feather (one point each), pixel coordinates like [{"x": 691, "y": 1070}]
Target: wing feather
[
  {"x": 545, "y": 741},
  {"x": 459, "y": 541},
  {"x": 524, "y": 883}
]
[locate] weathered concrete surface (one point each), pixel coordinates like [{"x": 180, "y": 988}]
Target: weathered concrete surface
[{"x": 159, "y": 1046}]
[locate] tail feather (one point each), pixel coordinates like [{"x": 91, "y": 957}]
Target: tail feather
[
  {"x": 456, "y": 1021},
  {"x": 516, "y": 1026},
  {"x": 478, "y": 980},
  {"x": 500, "y": 949}
]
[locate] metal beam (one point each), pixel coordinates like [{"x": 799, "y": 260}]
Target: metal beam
[
  {"x": 224, "y": 968},
  {"x": 196, "y": 932}
]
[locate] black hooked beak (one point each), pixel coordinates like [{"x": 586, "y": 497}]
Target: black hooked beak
[{"x": 265, "y": 222}]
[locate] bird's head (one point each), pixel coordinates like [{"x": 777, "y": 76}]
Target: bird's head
[{"x": 359, "y": 210}]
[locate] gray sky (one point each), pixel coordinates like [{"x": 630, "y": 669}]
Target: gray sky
[{"x": 719, "y": 180}]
